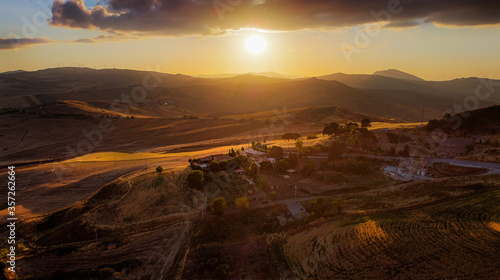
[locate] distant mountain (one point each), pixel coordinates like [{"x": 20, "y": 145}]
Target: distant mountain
[
  {"x": 14, "y": 72},
  {"x": 373, "y": 95},
  {"x": 393, "y": 73},
  {"x": 270, "y": 74}
]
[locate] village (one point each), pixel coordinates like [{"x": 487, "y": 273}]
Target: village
[{"x": 319, "y": 166}]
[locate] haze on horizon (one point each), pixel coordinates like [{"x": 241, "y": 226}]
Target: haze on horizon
[{"x": 435, "y": 41}]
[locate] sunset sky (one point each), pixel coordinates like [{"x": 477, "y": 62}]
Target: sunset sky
[{"x": 434, "y": 40}]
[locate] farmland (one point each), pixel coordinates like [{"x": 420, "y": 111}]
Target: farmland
[{"x": 439, "y": 239}]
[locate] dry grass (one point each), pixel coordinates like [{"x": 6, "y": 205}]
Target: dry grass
[{"x": 460, "y": 235}]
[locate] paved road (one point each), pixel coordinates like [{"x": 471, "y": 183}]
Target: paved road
[{"x": 493, "y": 167}]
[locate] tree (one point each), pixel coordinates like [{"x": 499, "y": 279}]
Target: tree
[
  {"x": 195, "y": 179},
  {"x": 289, "y": 136},
  {"x": 335, "y": 150},
  {"x": 405, "y": 152},
  {"x": 281, "y": 166},
  {"x": 366, "y": 122},
  {"x": 332, "y": 128},
  {"x": 252, "y": 170},
  {"x": 159, "y": 169},
  {"x": 319, "y": 206},
  {"x": 293, "y": 159},
  {"x": 214, "y": 166},
  {"x": 338, "y": 204},
  {"x": 328, "y": 131},
  {"x": 266, "y": 165},
  {"x": 276, "y": 152},
  {"x": 308, "y": 169},
  {"x": 218, "y": 206},
  {"x": 273, "y": 195},
  {"x": 242, "y": 203},
  {"x": 299, "y": 144}
]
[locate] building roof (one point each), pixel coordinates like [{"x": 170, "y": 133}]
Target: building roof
[{"x": 254, "y": 152}]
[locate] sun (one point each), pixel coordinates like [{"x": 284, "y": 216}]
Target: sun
[{"x": 256, "y": 44}]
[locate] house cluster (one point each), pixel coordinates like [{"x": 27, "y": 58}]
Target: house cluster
[
  {"x": 407, "y": 170},
  {"x": 204, "y": 161},
  {"x": 257, "y": 156}
]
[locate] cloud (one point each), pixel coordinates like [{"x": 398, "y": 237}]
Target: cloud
[
  {"x": 188, "y": 17},
  {"x": 14, "y": 43}
]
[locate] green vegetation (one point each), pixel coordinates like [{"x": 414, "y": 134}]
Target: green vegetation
[
  {"x": 195, "y": 179},
  {"x": 218, "y": 206},
  {"x": 242, "y": 203},
  {"x": 366, "y": 122},
  {"x": 276, "y": 152},
  {"x": 159, "y": 169},
  {"x": 289, "y": 136},
  {"x": 281, "y": 166},
  {"x": 308, "y": 170},
  {"x": 338, "y": 204},
  {"x": 299, "y": 143}
]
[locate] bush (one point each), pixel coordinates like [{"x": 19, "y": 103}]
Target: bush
[
  {"x": 261, "y": 184},
  {"x": 338, "y": 204},
  {"x": 308, "y": 170},
  {"x": 218, "y": 206},
  {"x": 273, "y": 196},
  {"x": 159, "y": 169},
  {"x": 214, "y": 166},
  {"x": 242, "y": 203},
  {"x": 196, "y": 179},
  {"x": 266, "y": 165},
  {"x": 276, "y": 152},
  {"x": 312, "y": 136},
  {"x": 281, "y": 166}
]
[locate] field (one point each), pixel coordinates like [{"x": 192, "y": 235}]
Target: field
[{"x": 439, "y": 239}]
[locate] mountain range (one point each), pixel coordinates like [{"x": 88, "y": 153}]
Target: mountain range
[{"x": 388, "y": 94}]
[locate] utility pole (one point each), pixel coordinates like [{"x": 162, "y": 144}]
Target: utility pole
[{"x": 422, "y": 116}]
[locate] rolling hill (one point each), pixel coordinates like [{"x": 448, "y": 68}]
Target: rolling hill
[{"x": 175, "y": 95}]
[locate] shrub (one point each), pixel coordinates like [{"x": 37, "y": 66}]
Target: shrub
[
  {"x": 338, "y": 204},
  {"x": 276, "y": 152},
  {"x": 312, "y": 136},
  {"x": 273, "y": 196},
  {"x": 218, "y": 206},
  {"x": 214, "y": 166},
  {"x": 308, "y": 170},
  {"x": 242, "y": 203},
  {"x": 196, "y": 179},
  {"x": 281, "y": 166},
  {"x": 266, "y": 165},
  {"x": 159, "y": 169}
]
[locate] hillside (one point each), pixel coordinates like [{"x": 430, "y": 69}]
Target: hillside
[
  {"x": 175, "y": 95},
  {"x": 393, "y": 73},
  {"x": 475, "y": 122}
]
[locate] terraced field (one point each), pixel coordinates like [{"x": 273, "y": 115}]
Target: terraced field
[{"x": 457, "y": 238}]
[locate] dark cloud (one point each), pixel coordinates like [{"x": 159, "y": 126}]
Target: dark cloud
[
  {"x": 14, "y": 43},
  {"x": 186, "y": 17}
]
